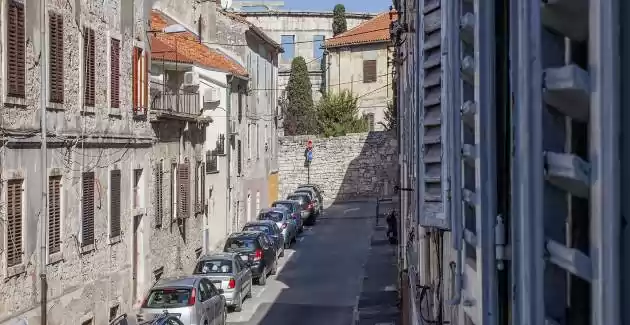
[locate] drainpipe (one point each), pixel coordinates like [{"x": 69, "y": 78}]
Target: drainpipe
[
  {"x": 44, "y": 163},
  {"x": 228, "y": 153}
]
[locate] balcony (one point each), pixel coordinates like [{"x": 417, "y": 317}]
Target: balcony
[{"x": 167, "y": 103}]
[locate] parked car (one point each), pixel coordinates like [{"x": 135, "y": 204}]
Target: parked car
[
  {"x": 318, "y": 191},
  {"x": 163, "y": 319},
  {"x": 283, "y": 218},
  {"x": 271, "y": 229},
  {"x": 255, "y": 249},
  {"x": 317, "y": 206},
  {"x": 307, "y": 206},
  {"x": 229, "y": 273},
  {"x": 296, "y": 211},
  {"x": 194, "y": 298}
]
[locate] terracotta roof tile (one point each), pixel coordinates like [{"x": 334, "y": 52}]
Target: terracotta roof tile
[
  {"x": 161, "y": 51},
  {"x": 371, "y": 31},
  {"x": 187, "y": 45}
]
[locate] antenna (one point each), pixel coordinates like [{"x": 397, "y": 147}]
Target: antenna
[{"x": 226, "y": 4}]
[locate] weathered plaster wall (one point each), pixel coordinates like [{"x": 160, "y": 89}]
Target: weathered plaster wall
[{"x": 356, "y": 166}]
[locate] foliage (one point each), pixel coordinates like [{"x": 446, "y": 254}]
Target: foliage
[
  {"x": 338, "y": 114},
  {"x": 300, "y": 116},
  {"x": 391, "y": 112},
  {"x": 339, "y": 20}
]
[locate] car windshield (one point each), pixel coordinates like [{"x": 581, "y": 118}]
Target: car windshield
[
  {"x": 301, "y": 198},
  {"x": 240, "y": 244},
  {"x": 304, "y": 192},
  {"x": 283, "y": 204},
  {"x": 214, "y": 266},
  {"x": 168, "y": 298},
  {"x": 264, "y": 228},
  {"x": 271, "y": 215}
]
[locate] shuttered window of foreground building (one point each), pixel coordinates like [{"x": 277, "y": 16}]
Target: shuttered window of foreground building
[
  {"x": 89, "y": 67},
  {"x": 55, "y": 42},
  {"x": 54, "y": 214},
  {"x": 159, "y": 199},
  {"x": 114, "y": 203},
  {"x": 369, "y": 71},
  {"x": 16, "y": 49},
  {"x": 114, "y": 96},
  {"x": 183, "y": 190},
  {"x": 14, "y": 222},
  {"x": 87, "y": 209}
]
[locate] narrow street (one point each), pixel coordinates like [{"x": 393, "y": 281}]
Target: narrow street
[{"x": 320, "y": 279}]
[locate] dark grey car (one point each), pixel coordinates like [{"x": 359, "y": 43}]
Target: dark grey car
[
  {"x": 272, "y": 230},
  {"x": 294, "y": 208}
]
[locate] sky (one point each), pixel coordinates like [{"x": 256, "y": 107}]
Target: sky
[{"x": 372, "y": 6}]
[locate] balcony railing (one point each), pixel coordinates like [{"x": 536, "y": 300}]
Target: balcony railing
[{"x": 175, "y": 103}]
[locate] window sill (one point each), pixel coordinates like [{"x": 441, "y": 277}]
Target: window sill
[
  {"x": 88, "y": 110},
  {"x": 14, "y": 271},
  {"x": 88, "y": 248},
  {"x": 212, "y": 172},
  {"x": 115, "y": 240},
  {"x": 15, "y": 101},
  {"x": 55, "y": 258},
  {"x": 55, "y": 106},
  {"x": 115, "y": 112}
]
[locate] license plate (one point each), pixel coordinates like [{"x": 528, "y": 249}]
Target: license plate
[{"x": 244, "y": 257}]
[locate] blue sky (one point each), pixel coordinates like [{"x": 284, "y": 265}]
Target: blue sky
[{"x": 351, "y": 5}]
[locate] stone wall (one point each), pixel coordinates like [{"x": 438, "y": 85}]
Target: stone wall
[{"x": 356, "y": 166}]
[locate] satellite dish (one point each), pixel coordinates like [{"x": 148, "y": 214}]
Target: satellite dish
[{"x": 226, "y": 4}]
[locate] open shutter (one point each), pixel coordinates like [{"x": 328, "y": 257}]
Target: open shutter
[
  {"x": 14, "y": 222},
  {"x": 115, "y": 73},
  {"x": 239, "y": 158},
  {"x": 114, "y": 205},
  {"x": 183, "y": 190},
  {"x": 159, "y": 200},
  {"x": 56, "y": 57},
  {"x": 89, "y": 68},
  {"x": 54, "y": 214},
  {"x": 87, "y": 209},
  {"x": 16, "y": 60}
]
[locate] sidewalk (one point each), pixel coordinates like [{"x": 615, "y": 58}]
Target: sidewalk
[{"x": 379, "y": 296}]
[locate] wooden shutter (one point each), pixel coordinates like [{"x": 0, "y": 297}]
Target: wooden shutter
[
  {"x": 114, "y": 203},
  {"x": 87, "y": 209},
  {"x": 183, "y": 190},
  {"x": 115, "y": 73},
  {"x": 370, "y": 120},
  {"x": 54, "y": 214},
  {"x": 203, "y": 188},
  {"x": 239, "y": 158},
  {"x": 16, "y": 49},
  {"x": 89, "y": 66},
  {"x": 56, "y": 57},
  {"x": 159, "y": 200},
  {"x": 197, "y": 189},
  {"x": 369, "y": 71},
  {"x": 14, "y": 222}
]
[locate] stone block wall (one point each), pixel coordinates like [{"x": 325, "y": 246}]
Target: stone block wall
[{"x": 351, "y": 167}]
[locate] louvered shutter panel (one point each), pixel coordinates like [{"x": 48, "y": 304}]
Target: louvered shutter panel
[
  {"x": 369, "y": 71},
  {"x": 134, "y": 77},
  {"x": 203, "y": 188},
  {"x": 16, "y": 59},
  {"x": 197, "y": 189},
  {"x": 87, "y": 209},
  {"x": 114, "y": 204},
  {"x": 54, "y": 214},
  {"x": 115, "y": 73},
  {"x": 14, "y": 222},
  {"x": 183, "y": 192},
  {"x": 159, "y": 207},
  {"x": 239, "y": 158},
  {"x": 88, "y": 59},
  {"x": 56, "y": 58}
]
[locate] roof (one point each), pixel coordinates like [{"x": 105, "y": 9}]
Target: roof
[
  {"x": 259, "y": 32},
  {"x": 186, "y": 45},
  {"x": 375, "y": 30}
]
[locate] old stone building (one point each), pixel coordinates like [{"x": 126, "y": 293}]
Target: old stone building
[
  {"x": 76, "y": 214},
  {"x": 359, "y": 61}
]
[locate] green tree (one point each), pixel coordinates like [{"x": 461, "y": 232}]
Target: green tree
[
  {"x": 339, "y": 20},
  {"x": 391, "y": 116},
  {"x": 338, "y": 114},
  {"x": 300, "y": 116}
]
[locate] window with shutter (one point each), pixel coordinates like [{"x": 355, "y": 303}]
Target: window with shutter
[
  {"x": 16, "y": 49},
  {"x": 114, "y": 73},
  {"x": 369, "y": 71},
  {"x": 114, "y": 203},
  {"x": 14, "y": 222},
  {"x": 89, "y": 73},
  {"x": 159, "y": 200},
  {"x": 55, "y": 42},
  {"x": 197, "y": 189},
  {"x": 140, "y": 80},
  {"x": 87, "y": 209},
  {"x": 239, "y": 159},
  {"x": 54, "y": 214},
  {"x": 370, "y": 120},
  {"x": 183, "y": 190}
]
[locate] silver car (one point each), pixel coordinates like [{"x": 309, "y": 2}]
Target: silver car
[
  {"x": 194, "y": 298},
  {"x": 285, "y": 221},
  {"x": 229, "y": 273}
]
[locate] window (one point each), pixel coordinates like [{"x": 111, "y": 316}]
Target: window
[
  {"x": 173, "y": 189},
  {"x": 16, "y": 49},
  {"x": 240, "y": 107},
  {"x": 200, "y": 186},
  {"x": 220, "y": 145},
  {"x": 114, "y": 87},
  {"x": 87, "y": 209},
  {"x": 239, "y": 159},
  {"x": 159, "y": 199},
  {"x": 140, "y": 90},
  {"x": 318, "y": 47},
  {"x": 89, "y": 66},
  {"x": 370, "y": 120},
  {"x": 183, "y": 190},
  {"x": 369, "y": 71},
  {"x": 137, "y": 188},
  {"x": 114, "y": 203},
  {"x": 212, "y": 165},
  {"x": 14, "y": 222},
  {"x": 288, "y": 45},
  {"x": 54, "y": 214},
  {"x": 55, "y": 57}
]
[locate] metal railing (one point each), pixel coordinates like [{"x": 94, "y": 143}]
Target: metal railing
[{"x": 168, "y": 100}]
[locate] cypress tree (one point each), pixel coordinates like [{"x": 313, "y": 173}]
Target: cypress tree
[
  {"x": 300, "y": 114},
  {"x": 339, "y": 20}
]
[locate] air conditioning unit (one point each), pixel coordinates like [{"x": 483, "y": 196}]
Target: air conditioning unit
[
  {"x": 191, "y": 79},
  {"x": 210, "y": 98}
]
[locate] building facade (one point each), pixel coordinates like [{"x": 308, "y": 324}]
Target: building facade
[
  {"x": 512, "y": 153},
  {"x": 76, "y": 215},
  {"x": 359, "y": 61}
]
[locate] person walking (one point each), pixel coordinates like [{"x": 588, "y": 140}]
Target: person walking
[{"x": 392, "y": 227}]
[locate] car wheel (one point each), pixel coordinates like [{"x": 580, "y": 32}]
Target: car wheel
[
  {"x": 239, "y": 305},
  {"x": 249, "y": 293},
  {"x": 225, "y": 312},
  {"x": 282, "y": 253},
  {"x": 263, "y": 278}
]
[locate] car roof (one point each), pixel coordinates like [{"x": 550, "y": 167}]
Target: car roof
[
  {"x": 298, "y": 194},
  {"x": 287, "y": 201},
  {"x": 216, "y": 255},
  {"x": 245, "y": 234},
  {"x": 181, "y": 281},
  {"x": 260, "y": 222},
  {"x": 274, "y": 209}
]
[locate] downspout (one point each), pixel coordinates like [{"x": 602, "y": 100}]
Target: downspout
[{"x": 44, "y": 163}]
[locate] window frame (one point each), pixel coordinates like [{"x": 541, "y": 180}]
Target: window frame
[
  {"x": 18, "y": 268},
  {"x": 88, "y": 103},
  {"x": 114, "y": 106},
  {"x": 7, "y": 98},
  {"x": 58, "y": 105},
  {"x": 54, "y": 257},
  {"x": 87, "y": 246},
  {"x": 365, "y": 76},
  {"x": 114, "y": 238}
]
